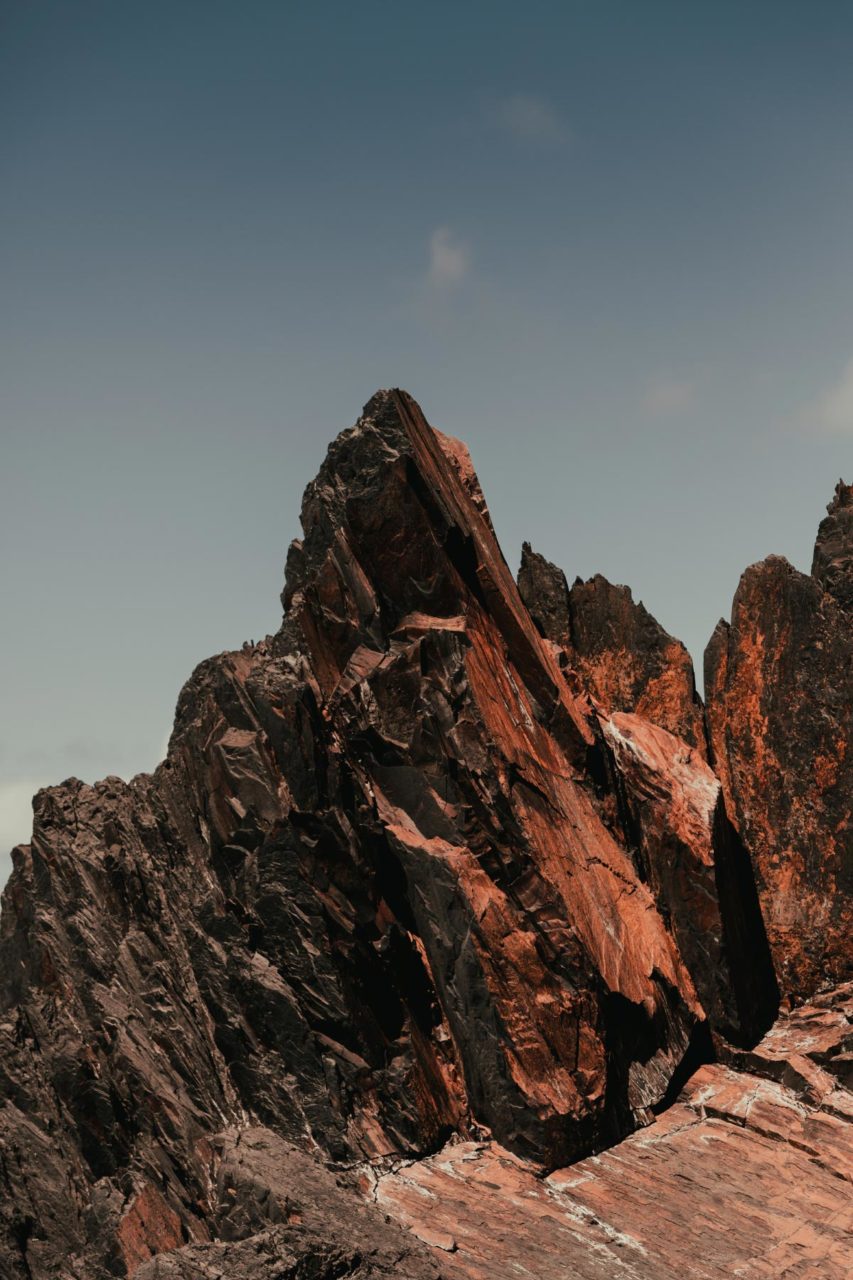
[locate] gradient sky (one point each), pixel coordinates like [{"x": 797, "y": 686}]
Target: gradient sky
[{"x": 610, "y": 245}]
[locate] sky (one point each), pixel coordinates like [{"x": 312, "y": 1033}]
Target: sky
[{"x": 609, "y": 245}]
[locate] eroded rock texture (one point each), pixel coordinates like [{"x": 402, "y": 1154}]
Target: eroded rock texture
[
  {"x": 748, "y": 1175},
  {"x": 620, "y": 654},
  {"x": 832, "y": 564},
  {"x": 693, "y": 860},
  {"x": 779, "y": 687},
  {"x": 410, "y": 872}
]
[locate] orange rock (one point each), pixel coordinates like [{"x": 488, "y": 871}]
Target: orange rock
[
  {"x": 618, "y": 652},
  {"x": 746, "y": 1175},
  {"x": 779, "y": 685},
  {"x": 148, "y": 1227},
  {"x": 699, "y": 873},
  {"x": 403, "y": 879}
]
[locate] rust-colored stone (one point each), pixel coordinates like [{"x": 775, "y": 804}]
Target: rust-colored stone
[
  {"x": 147, "y": 1228},
  {"x": 699, "y": 872},
  {"x": 618, "y": 652},
  {"x": 406, "y": 876},
  {"x": 746, "y": 1175},
  {"x": 832, "y": 563},
  {"x": 779, "y": 685}
]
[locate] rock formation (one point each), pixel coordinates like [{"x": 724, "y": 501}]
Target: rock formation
[
  {"x": 620, "y": 654},
  {"x": 832, "y": 564},
  {"x": 779, "y": 688},
  {"x": 442, "y": 861},
  {"x": 748, "y": 1175}
]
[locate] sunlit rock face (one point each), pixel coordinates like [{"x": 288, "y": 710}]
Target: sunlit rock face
[
  {"x": 748, "y": 1174},
  {"x": 617, "y": 652},
  {"x": 436, "y": 862},
  {"x": 779, "y": 688}
]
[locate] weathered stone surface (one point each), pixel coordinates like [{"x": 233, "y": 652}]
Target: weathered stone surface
[
  {"x": 692, "y": 858},
  {"x": 545, "y": 591},
  {"x": 670, "y": 806},
  {"x": 398, "y": 879},
  {"x": 472, "y": 755},
  {"x": 810, "y": 1050},
  {"x": 369, "y": 898},
  {"x": 617, "y": 651},
  {"x": 779, "y": 686},
  {"x": 745, "y": 1176},
  {"x": 832, "y": 563},
  {"x": 278, "y": 1213}
]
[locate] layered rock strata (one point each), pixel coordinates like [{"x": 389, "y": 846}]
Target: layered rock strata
[{"x": 749, "y": 1174}]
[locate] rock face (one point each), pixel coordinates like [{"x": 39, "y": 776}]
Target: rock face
[
  {"x": 621, "y": 655},
  {"x": 779, "y": 686},
  {"x": 411, "y": 872},
  {"x": 832, "y": 564},
  {"x": 748, "y": 1175},
  {"x": 692, "y": 858}
]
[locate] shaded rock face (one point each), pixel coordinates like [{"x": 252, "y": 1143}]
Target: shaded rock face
[
  {"x": 693, "y": 860},
  {"x": 620, "y": 654},
  {"x": 279, "y": 1213},
  {"x": 779, "y": 689},
  {"x": 832, "y": 565},
  {"x": 423, "y": 866}
]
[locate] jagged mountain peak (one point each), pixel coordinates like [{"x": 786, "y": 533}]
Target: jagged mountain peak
[{"x": 442, "y": 860}]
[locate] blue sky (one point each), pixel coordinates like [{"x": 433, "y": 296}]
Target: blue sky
[{"x": 610, "y": 245}]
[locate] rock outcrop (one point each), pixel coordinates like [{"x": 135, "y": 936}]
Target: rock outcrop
[
  {"x": 692, "y": 858},
  {"x": 749, "y": 1174},
  {"x": 832, "y": 564},
  {"x": 619, "y": 653},
  {"x": 779, "y": 689},
  {"x": 420, "y": 868}
]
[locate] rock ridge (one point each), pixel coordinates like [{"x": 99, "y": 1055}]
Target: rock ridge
[{"x": 447, "y": 859}]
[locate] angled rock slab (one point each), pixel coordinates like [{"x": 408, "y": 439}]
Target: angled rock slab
[{"x": 743, "y": 1176}]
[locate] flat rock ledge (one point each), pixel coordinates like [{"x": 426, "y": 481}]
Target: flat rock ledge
[{"x": 747, "y": 1175}]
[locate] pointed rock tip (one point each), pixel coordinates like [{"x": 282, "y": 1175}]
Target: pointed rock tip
[
  {"x": 530, "y": 558},
  {"x": 717, "y": 641},
  {"x": 599, "y": 582},
  {"x": 843, "y": 497},
  {"x": 388, "y": 400}
]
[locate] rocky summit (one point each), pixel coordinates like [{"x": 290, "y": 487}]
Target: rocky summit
[{"x": 454, "y": 937}]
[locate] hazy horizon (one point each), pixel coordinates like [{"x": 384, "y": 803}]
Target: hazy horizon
[{"x": 608, "y": 246}]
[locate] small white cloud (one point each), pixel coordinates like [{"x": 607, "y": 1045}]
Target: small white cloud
[
  {"x": 531, "y": 119},
  {"x": 16, "y": 812},
  {"x": 665, "y": 397},
  {"x": 833, "y": 411},
  {"x": 449, "y": 259}
]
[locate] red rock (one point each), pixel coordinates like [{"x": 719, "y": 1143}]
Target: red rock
[
  {"x": 832, "y": 563},
  {"x": 667, "y": 805},
  {"x": 619, "y": 653},
  {"x": 691, "y": 857},
  {"x": 743, "y": 1176},
  {"x": 398, "y": 879},
  {"x": 780, "y": 701},
  {"x": 479, "y": 790},
  {"x": 147, "y": 1228}
]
